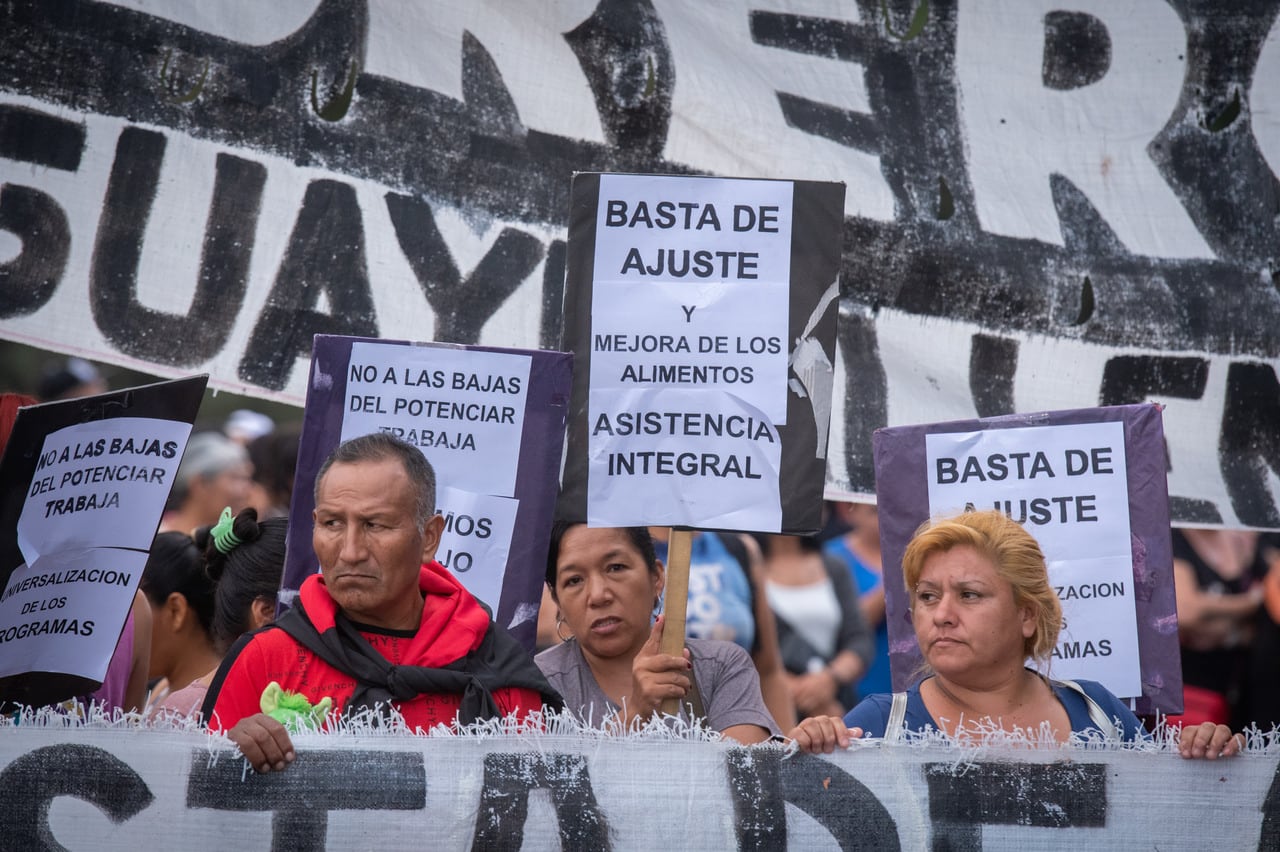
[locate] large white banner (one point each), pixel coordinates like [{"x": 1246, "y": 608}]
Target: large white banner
[
  {"x": 1048, "y": 207},
  {"x": 109, "y": 789}
]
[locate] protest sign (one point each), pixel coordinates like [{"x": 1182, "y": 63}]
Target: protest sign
[
  {"x": 103, "y": 788},
  {"x": 490, "y": 421},
  {"x": 85, "y": 485},
  {"x": 1090, "y": 486},
  {"x": 701, "y": 312}
]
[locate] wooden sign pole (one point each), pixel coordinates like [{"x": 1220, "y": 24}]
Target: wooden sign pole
[{"x": 679, "y": 547}]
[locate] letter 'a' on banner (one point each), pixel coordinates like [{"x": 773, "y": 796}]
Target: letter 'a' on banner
[
  {"x": 1090, "y": 485},
  {"x": 702, "y": 316},
  {"x": 491, "y": 422},
  {"x": 84, "y": 485}
]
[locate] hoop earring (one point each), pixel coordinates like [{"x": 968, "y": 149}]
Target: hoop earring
[{"x": 563, "y": 638}]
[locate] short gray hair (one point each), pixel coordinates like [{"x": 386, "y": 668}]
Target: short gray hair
[
  {"x": 207, "y": 455},
  {"x": 377, "y": 446}
]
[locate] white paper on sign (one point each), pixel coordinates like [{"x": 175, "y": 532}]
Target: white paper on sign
[
  {"x": 100, "y": 484},
  {"x": 1100, "y": 631},
  {"x": 65, "y": 618},
  {"x": 462, "y": 407},
  {"x": 676, "y": 457},
  {"x": 477, "y": 540},
  {"x": 1068, "y": 486},
  {"x": 690, "y": 286},
  {"x": 649, "y": 219},
  {"x": 726, "y": 337}
]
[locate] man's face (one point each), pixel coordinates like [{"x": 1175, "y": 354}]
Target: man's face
[
  {"x": 226, "y": 488},
  {"x": 368, "y": 543}
]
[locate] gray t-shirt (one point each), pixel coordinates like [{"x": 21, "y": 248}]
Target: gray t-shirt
[{"x": 726, "y": 677}]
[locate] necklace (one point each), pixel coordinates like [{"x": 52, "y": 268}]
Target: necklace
[
  {"x": 950, "y": 696},
  {"x": 964, "y": 706}
]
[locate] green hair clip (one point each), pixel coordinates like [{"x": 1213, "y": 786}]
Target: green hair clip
[{"x": 224, "y": 538}]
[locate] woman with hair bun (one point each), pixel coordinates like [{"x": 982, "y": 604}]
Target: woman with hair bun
[
  {"x": 245, "y": 559},
  {"x": 242, "y": 565},
  {"x": 180, "y": 593}
]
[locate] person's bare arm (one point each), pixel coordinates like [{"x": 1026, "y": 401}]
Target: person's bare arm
[
  {"x": 135, "y": 695},
  {"x": 1207, "y": 621},
  {"x": 746, "y": 734},
  {"x": 872, "y": 605},
  {"x": 767, "y": 656},
  {"x": 548, "y": 615}
]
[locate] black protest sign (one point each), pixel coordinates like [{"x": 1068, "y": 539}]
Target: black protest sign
[
  {"x": 701, "y": 313},
  {"x": 85, "y": 483}
]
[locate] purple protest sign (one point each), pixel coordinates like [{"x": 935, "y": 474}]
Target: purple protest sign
[
  {"x": 491, "y": 422},
  {"x": 1090, "y": 485}
]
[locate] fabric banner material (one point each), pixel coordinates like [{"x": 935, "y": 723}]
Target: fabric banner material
[
  {"x": 83, "y": 484},
  {"x": 112, "y": 789},
  {"x": 1090, "y": 486},
  {"x": 491, "y": 422},
  {"x": 1049, "y": 207},
  {"x": 701, "y": 313}
]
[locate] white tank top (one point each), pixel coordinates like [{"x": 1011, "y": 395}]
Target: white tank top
[{"x": 812, "y": 611}]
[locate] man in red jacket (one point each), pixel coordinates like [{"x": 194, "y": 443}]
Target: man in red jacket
[{"x": 383, "y": 624}]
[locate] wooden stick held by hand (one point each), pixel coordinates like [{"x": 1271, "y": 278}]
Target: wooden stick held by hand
[{"x": 679, "y": 548}]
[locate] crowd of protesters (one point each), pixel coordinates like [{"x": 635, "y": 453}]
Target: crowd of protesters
[{"x": 781, "y": 628}]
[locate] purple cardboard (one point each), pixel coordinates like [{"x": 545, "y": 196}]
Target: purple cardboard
[{"x": 903, "y": 500}]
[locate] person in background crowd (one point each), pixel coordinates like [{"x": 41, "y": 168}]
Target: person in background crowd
[
  {"x": 1218, "y": 576},
  {"x": 244, "y": 426},
  {"x": 275, "y": 464},
  {"x": 610, "y": 669},
  {"x": 181, "y": 594},
  {"x": 824, "y": 639},
  {"x": 9, "y": 405},
  {"x": 215, "y": 472},
  {"x": 382, "y": 620},
  {"x": 1263, "y": 676},
  {"x": 124, "y": 687},
  {"x": 70, "y": 379},
  {"x": 727, "y": 601},
  {"x": 242, "y": 563},
  {"x": 859, "y": 550},
  {"x": 245, "y": 559},
  {"x": 981, "y": 605}
]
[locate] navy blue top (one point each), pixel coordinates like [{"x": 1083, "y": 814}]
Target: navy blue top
[{"x": 872, "y": 714}]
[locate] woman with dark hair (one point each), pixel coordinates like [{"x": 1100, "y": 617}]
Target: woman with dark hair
[
  {"x": 822, "y": 634},
  {"x": 245, "y": 559},
  {"x": 610, "y": 669},
  {"x": 275, "y": 464},
  {"x": 180, "y": 593},
  {"x": 203, "y": 603}
]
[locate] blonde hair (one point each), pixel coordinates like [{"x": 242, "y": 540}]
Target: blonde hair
[{"x": 1016, "y": 556}]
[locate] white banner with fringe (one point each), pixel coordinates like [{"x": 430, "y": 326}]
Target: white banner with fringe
[{"x": 123, "y": 787}]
